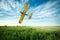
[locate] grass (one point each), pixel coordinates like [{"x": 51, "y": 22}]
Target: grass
[{"x": 28, "y": 33}]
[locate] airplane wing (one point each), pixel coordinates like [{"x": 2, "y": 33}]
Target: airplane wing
[
  {"x": 24, "y": 12},
  {"x": 26, "y": 8},
  {"x": 21, "y": 18}
]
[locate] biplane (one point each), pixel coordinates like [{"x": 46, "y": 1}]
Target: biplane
[{"x": 24, "y": 13}]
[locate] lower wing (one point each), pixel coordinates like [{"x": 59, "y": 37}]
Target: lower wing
[{"x": 21, "y": 18}]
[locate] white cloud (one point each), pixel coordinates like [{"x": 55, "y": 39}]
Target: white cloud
[
  {"x": 29, "y": 23},
  {"x": 49, "y": 5},
  {"x": 45, "y": 9},
  {"x": 38, "y": 12},
  {"x": 1, "y": 14}
]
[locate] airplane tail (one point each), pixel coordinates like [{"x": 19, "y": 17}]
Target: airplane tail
[{"x": 30, "y": 16}]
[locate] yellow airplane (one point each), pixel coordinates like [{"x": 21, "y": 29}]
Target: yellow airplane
[{"x": 24, "y": 13}]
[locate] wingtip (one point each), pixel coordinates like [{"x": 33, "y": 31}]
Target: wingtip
[
  {"x": 28, "y": 3},
  {"x": 19, "y": 22}
]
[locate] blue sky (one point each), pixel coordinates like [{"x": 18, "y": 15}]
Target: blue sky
[{"x": 45, "y": 12}]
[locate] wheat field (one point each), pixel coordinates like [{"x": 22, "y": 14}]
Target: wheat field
[{"x": 29, "y": 33}]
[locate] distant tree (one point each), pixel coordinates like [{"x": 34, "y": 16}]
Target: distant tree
[{"x": 5, "y": 26}]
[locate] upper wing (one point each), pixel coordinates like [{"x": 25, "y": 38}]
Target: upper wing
[
  {"x": 24, "y": 12},
  {"x": 26, "y": 8}
]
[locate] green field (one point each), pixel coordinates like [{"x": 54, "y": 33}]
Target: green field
[{"x": 29, "y": 33}]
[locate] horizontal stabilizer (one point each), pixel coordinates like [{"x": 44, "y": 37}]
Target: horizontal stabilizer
[{"x": 30, "y": 16}]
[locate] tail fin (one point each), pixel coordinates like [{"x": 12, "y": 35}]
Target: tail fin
[{"x": 30, "y": 16}]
